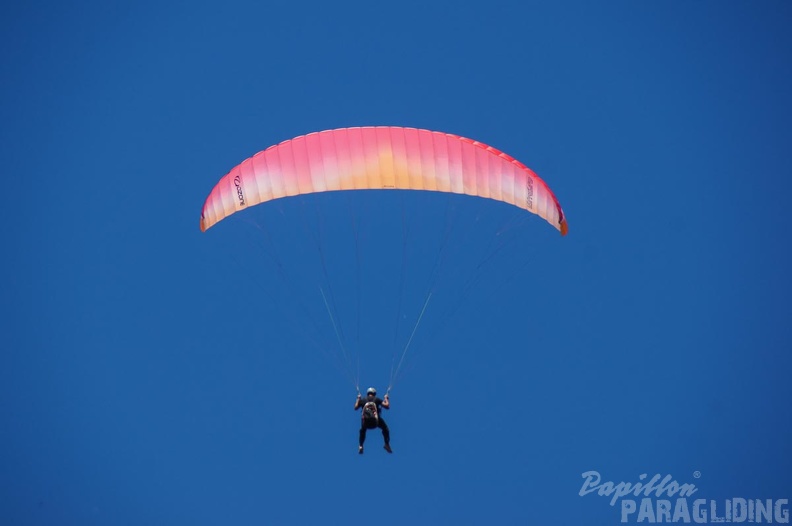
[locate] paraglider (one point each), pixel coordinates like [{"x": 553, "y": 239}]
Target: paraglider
[
  {"x": 376, "y": 158},
  {"x": 371, "y": 417}
]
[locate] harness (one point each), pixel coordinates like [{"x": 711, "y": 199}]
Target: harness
[{"x": 370, "y": 415}]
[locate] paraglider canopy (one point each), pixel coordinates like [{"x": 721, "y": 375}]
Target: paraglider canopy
[{"x": 385, "y": 157}]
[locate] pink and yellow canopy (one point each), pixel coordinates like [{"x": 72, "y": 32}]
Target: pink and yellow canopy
[{"x": 381, "y": 157}]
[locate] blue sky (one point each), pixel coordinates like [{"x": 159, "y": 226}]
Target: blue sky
[{"x": 154, "y": 374}]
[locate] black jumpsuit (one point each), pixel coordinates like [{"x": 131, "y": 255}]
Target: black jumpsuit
[{"x": 380, "y": 424}]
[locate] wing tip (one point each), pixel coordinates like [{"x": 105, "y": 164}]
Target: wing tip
[{"x": 564, "y": 228}]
